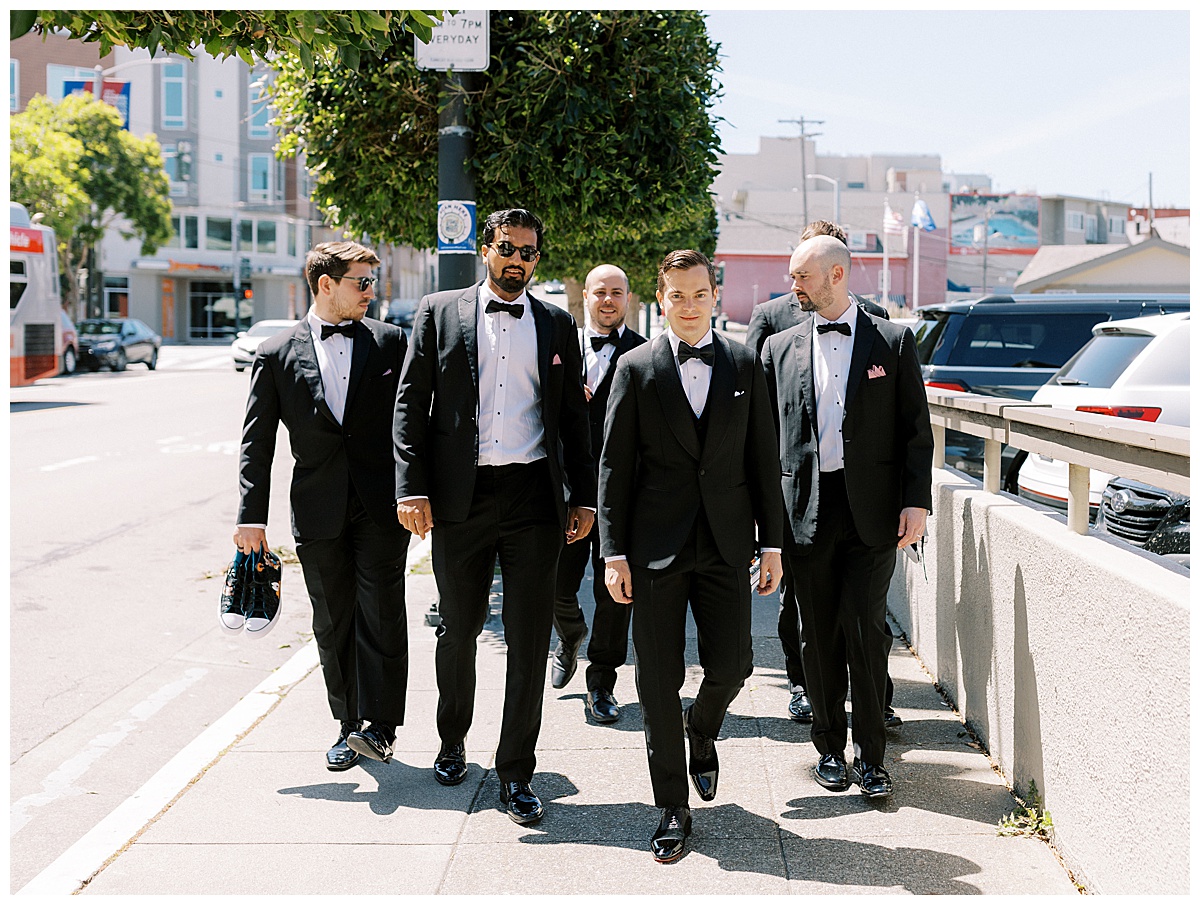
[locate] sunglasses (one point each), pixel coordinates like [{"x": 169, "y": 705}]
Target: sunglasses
[
  {"x": 364, "y": 283},
  {"x": 529, "y": 254}
]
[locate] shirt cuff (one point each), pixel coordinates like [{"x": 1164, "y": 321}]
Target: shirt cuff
[
  {"x": 609, "y": 559},
  {"x": 248, "y": 525},
  {"x": 771, "y": 550},
  {"x": 405, "y": 499}
]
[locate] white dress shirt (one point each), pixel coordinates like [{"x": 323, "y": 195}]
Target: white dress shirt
[
  {"x": 595, "y": 363},
  {"x": 333, "y": 358},
  {"x": 510, "y": 390},
  {"x": 831, "y": 367},
  {"x": 693, "y": 373}
]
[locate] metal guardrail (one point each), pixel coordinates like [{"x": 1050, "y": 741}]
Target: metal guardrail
[{"x": 1158, "y": 454}]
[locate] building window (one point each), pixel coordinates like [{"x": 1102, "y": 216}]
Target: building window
[
  {"x": 56, "y": 75},
  {"x": 116, "y": 296},
  {"x": 1116, "y": 227},
  {"x": 14, "y": 84},
  {"x": 291, "y": 240},
  {"x": 218, "y": 233},
  {"x": 1075, "y": 221},
  {"x": 266, "y": 237},
  {"x": 185, "y": 232},
  {"x": 1091, "y": 225},
  {"x": 856, "y": 185},
  {"x": 257, "y": 112},
  {"x": 173, "y": 164},
  {"x": 245, "y": 235},
  {"x": 261, "y": 174},
  {"x": 174, "y": 96}
]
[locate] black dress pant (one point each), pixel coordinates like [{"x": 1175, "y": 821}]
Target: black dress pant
[
  {"x": 719, "y": 595},
  {"x": 512, "y": 517},
  {"x": 356, "y": 584},
  {"x": 609, "y": 645},
  {"x": 841, "y": 588}
]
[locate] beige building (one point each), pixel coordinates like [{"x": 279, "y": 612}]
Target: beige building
[{"x": 1149, "y": 264}]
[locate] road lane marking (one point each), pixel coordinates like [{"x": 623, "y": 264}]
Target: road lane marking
[
  {"x": 61, "y": 782},
  {"x": 68, "y": 873},
  {"x": 67, "y": 464}
]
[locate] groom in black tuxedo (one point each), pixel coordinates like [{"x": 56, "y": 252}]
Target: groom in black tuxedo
[
  {"x": 491, "y": 427},
  {"x": 689, "y": 468},
  {"x": 856, "y": 453},
  {"x": 331, "y": 380}
]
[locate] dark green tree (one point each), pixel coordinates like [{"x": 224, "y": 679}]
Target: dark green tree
[{"x": 599, "y": 122}]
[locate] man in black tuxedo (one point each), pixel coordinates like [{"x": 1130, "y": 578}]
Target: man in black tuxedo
[
  {"x": 604, "y": 340},
  {"x": 491, "y": 426},
  {"x": 332, "y": 381},
  {"x": 688, "y": 468},
  {"x": 767, "y": 319},
  {"x": 856, "y": 452}
]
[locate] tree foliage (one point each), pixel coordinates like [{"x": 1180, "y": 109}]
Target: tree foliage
[
  {"x": 74, "y": 163},
  {"x": 310, "y": 35},
  {"x": 599, "y": 122}
]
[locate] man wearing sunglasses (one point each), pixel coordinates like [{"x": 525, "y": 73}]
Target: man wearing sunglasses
[
  {"x": 491, "y": 426},
  {"x": 332, "y": 381}
]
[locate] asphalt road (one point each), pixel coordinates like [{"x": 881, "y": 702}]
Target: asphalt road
[{"x": 123, "y": 494}]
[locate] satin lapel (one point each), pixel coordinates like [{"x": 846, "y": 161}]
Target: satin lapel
[
  {"x": 306, "y": 358},
  {"x": 720, "y": 396},
  {"x": 545, "y": 341},
  {"x": 864, "y": 339},
  {"x": 624, "y": 344},
  {"x": 804, "y": 361},
  {"x": 363, "y": 340},
  {"x": 468, "y": 305},
  {"x": 797, "y": 313},
  {"x": 670, "y": 394}
]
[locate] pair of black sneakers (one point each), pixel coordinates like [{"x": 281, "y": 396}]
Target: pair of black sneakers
[{"x": 250, "y": 598}]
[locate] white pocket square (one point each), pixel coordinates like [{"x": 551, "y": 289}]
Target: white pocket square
[{"x": 737, "y": 393}]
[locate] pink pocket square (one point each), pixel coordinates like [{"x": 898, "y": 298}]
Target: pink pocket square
[
  {"x": 385, "y": 373},
  {"x": 556, "y": 360},
  {"x": 875, "y": 371}
]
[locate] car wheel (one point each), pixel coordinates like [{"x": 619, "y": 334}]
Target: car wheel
[
  {"x": 120, "y": 362},
  {"x": 69, "y": 361},
  {"x": 239, "y": 368},
  {"x": 153, "y": 362}
]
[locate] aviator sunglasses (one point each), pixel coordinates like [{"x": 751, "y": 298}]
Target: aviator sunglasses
[
  {"x": 364, "y": 283},
  {"x": 529, "y": 254}
]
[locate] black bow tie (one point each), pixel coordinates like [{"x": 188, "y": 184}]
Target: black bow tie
[
  {"x": 599, "y": 342},
  {"x": 836, "y": 327},
  {"x": 705, "y": 353},
  {"x": 514, "y": 309},
  {"x": 328, "y": 330}
]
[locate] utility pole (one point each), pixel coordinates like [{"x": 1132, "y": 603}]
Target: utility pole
[
  {"x": 1150, "y": 208},
  {"x": 802, "y": 122},
  {"x": 456, "y": 182}
]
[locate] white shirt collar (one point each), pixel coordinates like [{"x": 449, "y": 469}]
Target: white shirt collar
[
  {"x": 674, "y": 340},
  {"x": 848, "y": 317},
  {"x": 487, "y": 295},
  {"x": 589, "y": 332},
  {"x": 314, "y": 322}
]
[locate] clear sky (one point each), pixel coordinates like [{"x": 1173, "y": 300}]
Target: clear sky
[{"x": 1069, "y": 102}]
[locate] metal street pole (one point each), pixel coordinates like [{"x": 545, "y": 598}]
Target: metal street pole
[
  {"x": 837, "y": 196},
  {"x": 802, "y": 122},
  {"x": 456, "y": 182}
]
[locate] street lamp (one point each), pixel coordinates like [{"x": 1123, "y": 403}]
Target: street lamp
[{"x": 837, "y": 193}]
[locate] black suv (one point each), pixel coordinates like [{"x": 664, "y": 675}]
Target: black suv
[
  {"x": 1160, "y": 521},
  {"x": 1009, "y": 345}
]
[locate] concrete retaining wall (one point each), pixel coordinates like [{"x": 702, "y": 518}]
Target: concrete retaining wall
[{"x": 1069, "y": 656}]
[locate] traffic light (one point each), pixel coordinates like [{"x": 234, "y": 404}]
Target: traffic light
[{"x": 244, "y": 270}]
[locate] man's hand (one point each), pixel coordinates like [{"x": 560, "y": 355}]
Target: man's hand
[
  {"x": 770, "y": 572},
  {"x": 415, "y": 515},
  {"x": 587, "y": 392},
  {"x": 579, "y": 523},
  {"x": 912, "y": 526},
  {"x": 250, "y": 539},
  {"x": 619, "y": 581}
]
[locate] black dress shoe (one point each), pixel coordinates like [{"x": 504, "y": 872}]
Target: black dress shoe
[
  {"x": 831, "y": 773},
  {"x": 374, "y": 742},
  {"x": 668, "y": 840},
  {"x": 450, "y": 768},
  {"x": 340, "y": 756},
  {"x": 800, "y": 709},
  {"x": 564, "y": 663},
  {"x": 702, "y": 765},
  {"x": 602, "y": 706},
  {"x": 890, "y": 719},
  {"x": 520, "y": 802},
  {"x": 873, "y": 781}
]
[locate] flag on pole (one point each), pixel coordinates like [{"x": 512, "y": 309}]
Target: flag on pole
[
  {"x": 892, "y": 222},
  {"x": 921, "y": 217}
]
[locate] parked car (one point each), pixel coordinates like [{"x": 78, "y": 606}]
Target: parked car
[
  {"x": 400, "y": 312},
  {"x": 69, "y": 356},
  {"x": 1159, "y": 521},
  {"x": 1010, "y": 345},
  {"x": 246, "y": 343},
  {"x": 1137, "y": 368},
  {"x": 114, "y": 342}
]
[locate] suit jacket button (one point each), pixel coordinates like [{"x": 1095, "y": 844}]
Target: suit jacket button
[{"x": 701, "y": 472}]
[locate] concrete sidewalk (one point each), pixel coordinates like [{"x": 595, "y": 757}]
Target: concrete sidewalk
[{"x": 267, "y": 817}]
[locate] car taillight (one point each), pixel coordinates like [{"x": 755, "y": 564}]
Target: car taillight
[
  {"x": 1136, "y": 412},
  {"x": 947, "y": 385}
]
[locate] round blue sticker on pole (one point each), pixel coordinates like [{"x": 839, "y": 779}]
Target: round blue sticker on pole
[{"x": 456, "y": 227}]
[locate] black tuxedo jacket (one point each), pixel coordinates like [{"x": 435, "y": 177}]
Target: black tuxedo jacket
[
  {"x": 887, "y": 442},
  {"x": 598, "y": 405},
  {"x": 654, "y": 474},
  {"x": 776, "y": 315},
  {"x": 436, "y": 432},
  {"x": 285, "y": 385}
]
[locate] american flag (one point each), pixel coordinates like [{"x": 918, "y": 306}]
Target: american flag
[{"x": 893, "y": 223}]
